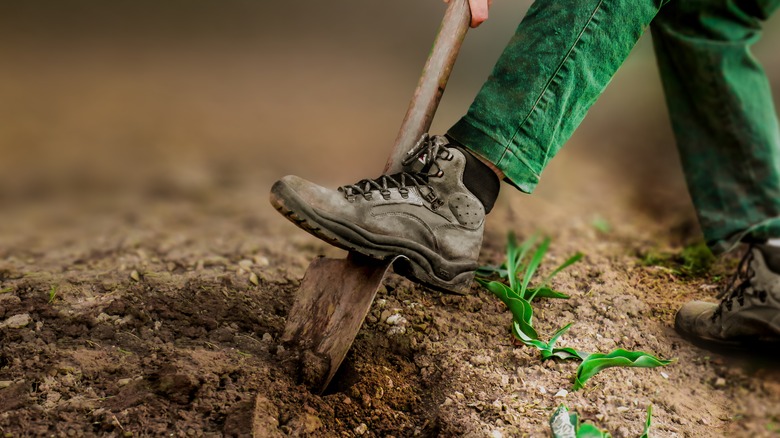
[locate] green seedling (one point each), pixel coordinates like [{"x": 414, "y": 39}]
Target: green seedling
[
  {"x": 517, "y": 296},
  {"x": 566, "y": 424},
  {"x": 53, "y": 293},
  {"x": 596, "y": 362},
  {"x": 519, "y": 273},
  {"x": 601, "y": 224},
  {"x": 648, "y": 423}
]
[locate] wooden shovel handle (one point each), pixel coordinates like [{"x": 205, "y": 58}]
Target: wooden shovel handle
[{"x": 432, "y": 81}]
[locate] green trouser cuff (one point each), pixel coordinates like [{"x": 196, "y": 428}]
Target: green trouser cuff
[
  {"x": 478, "y": 141},
  {"x": 767, "y": 229}
]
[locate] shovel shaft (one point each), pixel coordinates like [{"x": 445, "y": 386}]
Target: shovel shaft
[{"x": 432, "y": 81}]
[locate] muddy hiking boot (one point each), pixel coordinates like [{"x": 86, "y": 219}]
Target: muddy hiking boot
[
  {"x": 424, "y": 213},
  {"x": 749, "y": 312}
]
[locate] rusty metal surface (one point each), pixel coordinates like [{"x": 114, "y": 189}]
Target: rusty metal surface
[{"x": 334, "y": 298}]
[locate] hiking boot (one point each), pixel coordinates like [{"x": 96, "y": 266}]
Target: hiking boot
[
  {"x": 424, "y": 214},
  {"x": 749, "y": 312}
]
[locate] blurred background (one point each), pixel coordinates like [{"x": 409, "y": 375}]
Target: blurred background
[{"x": 184, "y": 97}]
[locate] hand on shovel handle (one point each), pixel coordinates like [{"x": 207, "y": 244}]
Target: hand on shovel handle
[{"x": 479, "y": 11}]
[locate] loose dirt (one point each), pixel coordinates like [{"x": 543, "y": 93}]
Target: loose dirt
[{"x": 145, "y": 279}]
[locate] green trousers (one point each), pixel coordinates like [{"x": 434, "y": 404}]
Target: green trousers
[{"x": 564, "y": 54}]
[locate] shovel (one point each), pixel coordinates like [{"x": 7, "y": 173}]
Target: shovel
[{"x": 336, "y": 294}]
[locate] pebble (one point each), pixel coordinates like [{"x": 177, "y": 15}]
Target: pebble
[
  {"x": 385, "y": 315},
  {"x": 245, "y": 264},
  {"x": 253, "y": 279},
  {"x": 16, "y": 321},
  {"x": 664, "y": 375},
  {"x": 362, "y": 429},
  {"x": 267, "y": 337},
  {"x": 395, "y": 319},
  {"x": 261, "y": 261},
  {"x": 280, "y": 350},
  {"x": 622, "y": 409},
  {"x": 496, "y": 434},
  {"x": 562, "y": 393},
  {"x": 123, "y": 382},
  {"x": 720, "y": 382},
  {"x": 134, "y": 275}
]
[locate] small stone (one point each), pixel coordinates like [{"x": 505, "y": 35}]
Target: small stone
[
  {"x": 664, "y": 375},
  {"x": 362, "y": 429},
  {"x": 135, "y": 276},
  {"x": 561, "y": 393},
  {"x": 347, "y": 401},
  {"x": 305, "y": 424},
  {"x": 280, "y": 350},
  {"x": 253, "y": 279},
  {"x": 261, "y": 261},
  {"x": 267, "y": 337},
  {"x": 245, "y": 264},
  {"x": 123, "y": 382},
  {"x": 16, "y": 321},
  {"x": 622, "y": 409},
  {"x": 720, "y": 382},
  {"x": 396, "y": 319},
  {"x": 496, "y": 434}
]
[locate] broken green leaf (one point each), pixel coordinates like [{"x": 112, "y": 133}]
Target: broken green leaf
[{"x": 596, "y": 362}]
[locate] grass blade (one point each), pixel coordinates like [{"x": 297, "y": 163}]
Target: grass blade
[
  {"x": 646, "y": 432},
  {"x": 532, "y": 266},
  {"x": 546, "y": 292},
  {"x": 571, "y": 260}
]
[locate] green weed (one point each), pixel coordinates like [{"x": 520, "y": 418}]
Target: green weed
[
  {"x": 6, "y": 290},
  {"x": 601, "y": 224},
  {"x": 521, "y": 265},
  {"x": 53, "y": 293}
]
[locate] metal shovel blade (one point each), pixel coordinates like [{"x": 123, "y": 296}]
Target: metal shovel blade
[{"x": 334, "y": 298}]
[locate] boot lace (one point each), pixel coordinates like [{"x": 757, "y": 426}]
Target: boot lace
[
  {"x": 739, "y": 283},
  {"x": 426, "y": 152}
]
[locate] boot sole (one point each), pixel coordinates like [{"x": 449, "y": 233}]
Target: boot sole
[
  {"x": 760, "y": 347},
  {"x": 415, "y": 262}
]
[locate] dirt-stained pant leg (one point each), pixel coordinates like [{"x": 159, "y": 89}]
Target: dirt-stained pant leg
[
  {"x": 558, "y": 63},
  {"x": 723, "y": 116}
]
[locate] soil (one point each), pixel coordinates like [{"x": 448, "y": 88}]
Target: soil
[{"x": 144, "y": 286}]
